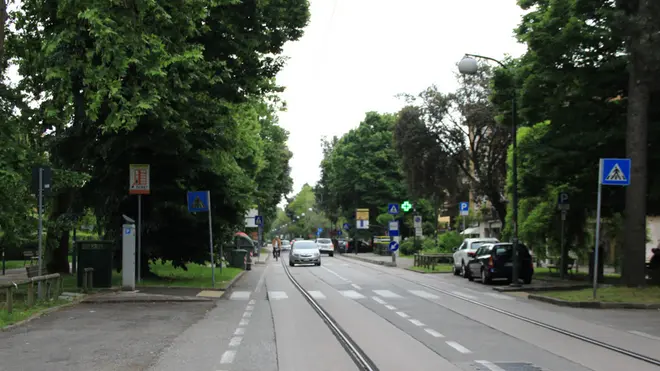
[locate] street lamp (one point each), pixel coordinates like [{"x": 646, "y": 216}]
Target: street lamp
[{"x": 468, "y": 66}]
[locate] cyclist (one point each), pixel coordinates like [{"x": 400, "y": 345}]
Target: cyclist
[{"x": 276, "y": 247}]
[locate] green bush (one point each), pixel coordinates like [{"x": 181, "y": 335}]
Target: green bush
[
  {"x": 449, "y": 240},
  {"x": 407, "y": 247}
]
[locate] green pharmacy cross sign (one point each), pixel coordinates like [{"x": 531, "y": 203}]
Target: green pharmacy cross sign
[{"x": 406, "y": 206}]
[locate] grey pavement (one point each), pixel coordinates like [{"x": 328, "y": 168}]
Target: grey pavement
[{"x": 97, "y": 337}]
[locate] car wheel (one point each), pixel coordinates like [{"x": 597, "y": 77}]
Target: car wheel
[
  {"x": 318, "y": 264},
  {"x": 291, "y": 264},
  {"x": 484, "y": 277},
  {"x": 331, "y": 254},
  {"x": 465, "y": 272},
  {"x": 457, "y": 271}
]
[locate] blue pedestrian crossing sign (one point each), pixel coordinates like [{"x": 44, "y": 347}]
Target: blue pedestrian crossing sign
[
  {"x": 319, "y": 230},
  {"x": 259, "y": 220},
  {"x": 198, "y": 201},
  {"x": 393, "y": 209},
  {"x": 614, "y": 171},
  {"x": 347, "y": 226},
  {"x": 394, "y": 246}
]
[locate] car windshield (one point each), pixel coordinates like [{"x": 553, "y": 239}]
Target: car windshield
[
  {"x": 286, "y": 242},
  {"x": 476, "y": 245},
  {"x": 305, "y": 245},
  {"x": 323, "y": 240}
]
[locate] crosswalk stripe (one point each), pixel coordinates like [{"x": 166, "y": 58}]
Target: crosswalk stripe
[
  {"x": 386, "y": 294},
  {"x": 240, "y": 295},
  {"x": 277, "y": 295},
  {"x": 316, "y": 294},
  {"x": 378, "y": 300},
  {"x": 434, "y": 333},
  {"x": 352, "y": 294},
  {"x": 423, "y": 294}
]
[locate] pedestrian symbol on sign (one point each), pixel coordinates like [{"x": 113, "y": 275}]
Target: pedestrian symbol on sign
[
  {"x": 198, "y": 203},
  {"x": 616, "y": 174}
]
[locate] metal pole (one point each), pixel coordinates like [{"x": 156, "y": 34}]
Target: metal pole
[
  {"x": 139, "y": 240},
  {"x": 516, "y": 264},
  {"x": 562, "y": 266},
  {"x": 595, "y": 268},
  {"x": 463, "y": 223},
  {"x": 208, "y": 195},
  {"x": 40, "y": 203}
]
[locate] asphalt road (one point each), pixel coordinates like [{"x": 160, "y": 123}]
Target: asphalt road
[{"x": 401, "y": 320}]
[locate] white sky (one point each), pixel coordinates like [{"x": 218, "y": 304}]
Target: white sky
[{"x": 356, "y": 55}]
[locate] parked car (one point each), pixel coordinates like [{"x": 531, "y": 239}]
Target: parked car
[
  {"x": 464, "y": 253},
  {"x": 286, "y": 245},
  {"x": 495, "y": 261},
  {"x": 326, "y": 246},
  {"x": 305, "y": 252}
]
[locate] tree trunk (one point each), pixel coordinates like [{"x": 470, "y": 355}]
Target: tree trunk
[
  {"x": 633, "y": 269},
  {"x": 57, "y": 240}
]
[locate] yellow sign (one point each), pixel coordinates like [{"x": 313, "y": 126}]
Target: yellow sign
[{"x": 362, "y": 214}]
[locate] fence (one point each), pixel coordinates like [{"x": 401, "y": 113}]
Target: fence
[
  {"x": 431, "y": 260},
  {"x": 25, "y": 290}
]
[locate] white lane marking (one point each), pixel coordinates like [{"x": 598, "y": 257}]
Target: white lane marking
[
  {"x": 351, "y": 294},
  {"x": 277, "y": 295},
  {"x": 416, "y": 322},
  {"x": 240, "y": 331},
  {"x": 252, "y": 302},
  {"x": 249, "y": 307},
  {"x": 489, "y": 365},
  {"x": 644, "y": 334},
  {"x": 463, "y": 295},
  {"x": 390, "y": 307},
  {"x": 378, "y": 300},
  {"x": 316, "y": 294},
  {"x": 235, "y": 341},
  {"x": 247, "y": 314},
  {"x": 261, "y": 280},
  {"x": 244, "y": 322},
  {"x": 423, "y": 294},
  {"x": 458, "y": 347},
  {"x": 386, "y": 294},
  {"x": 228, "y": 356},
  {"x": 357, "y": 287},
  {"x": 434, "y": 333},
  {"x": 402, "y": 314},
  {"x": 240, "y": 295},
  {"x": 499, "y": 296},
  {"x": 335, "y": 273}
]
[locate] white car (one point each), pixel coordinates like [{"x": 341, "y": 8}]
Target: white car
[
  {"x": 326, "y": 246},
  {"x": 464, "y": 253}
]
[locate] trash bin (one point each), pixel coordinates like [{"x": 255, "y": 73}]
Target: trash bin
[
  {"x": 97, "y": 255},
  {"x": 238, "y": 258}
]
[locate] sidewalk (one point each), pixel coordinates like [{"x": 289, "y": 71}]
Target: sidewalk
[
  {"x": 372, "y": 258},
  {"x": 263, "y": 258}
]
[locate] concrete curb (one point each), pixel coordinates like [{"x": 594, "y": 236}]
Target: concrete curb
[
  {"x": 174, "y": 299},
  {"x": 412, "y": 270},
  {"x": 38, "y": 315},
  {"x": 231, "y": 284},
  {"x": 592, "y": 304},
  {"x": 366, "y": 260},
  {"x": 539, "y": 289}
]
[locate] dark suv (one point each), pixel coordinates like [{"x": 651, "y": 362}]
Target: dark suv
[{"x": 494, "y": 261}]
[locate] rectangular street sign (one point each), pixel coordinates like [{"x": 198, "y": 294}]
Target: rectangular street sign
[
  {"x": 138, "y": 180},
  {"x": 394, "y": 228},
  {"x": 46, "y": 180},
  {"x": 362, "y": 214},
  {"x": 418, "y": 232},
  {"x": 417, "y": 219},
  {"x": 362, "y": 224},
  {"x": 614, "y": 171},
  {"x": 199, "y": 201},
  {"x": 393, "y": 209},
  {"x": 464, "y": 208}
]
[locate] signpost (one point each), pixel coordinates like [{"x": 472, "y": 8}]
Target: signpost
[
  {"x": 464, "y": 209},
  {"x": 41, "y": 184},
  {"x": 393, "y": 232},
  {"x": 362, "y": 218},
  {"x": 394, "y": 246},
  {"x": 563, "y": 205},
  {"x": 318, "y": 232},
  {"x": 139, "y": 184},
  {"x": 406, "y": 206},
  {"x": 200, "y": 202},
  {"x": 347, "y": 226},
  {"x": 612, "y": 172},
  {"x": 394, "y": 228}
]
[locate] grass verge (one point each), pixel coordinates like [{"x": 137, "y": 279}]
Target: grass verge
[
  {"x": 441, "y": 268},
  {"x": 196, "y": 276},
  {"x": 611, "y": 294}
]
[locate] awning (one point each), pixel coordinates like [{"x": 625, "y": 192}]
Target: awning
[{"x": 471, "y": 231}]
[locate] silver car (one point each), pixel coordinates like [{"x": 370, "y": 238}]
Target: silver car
[
  {"x": 326, "y": 246},
  {"x": 305, "y": 252},
  {"x": 286, "y": 245}
]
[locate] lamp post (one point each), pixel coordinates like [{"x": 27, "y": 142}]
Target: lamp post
[{"x": 469, "y": 66}]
